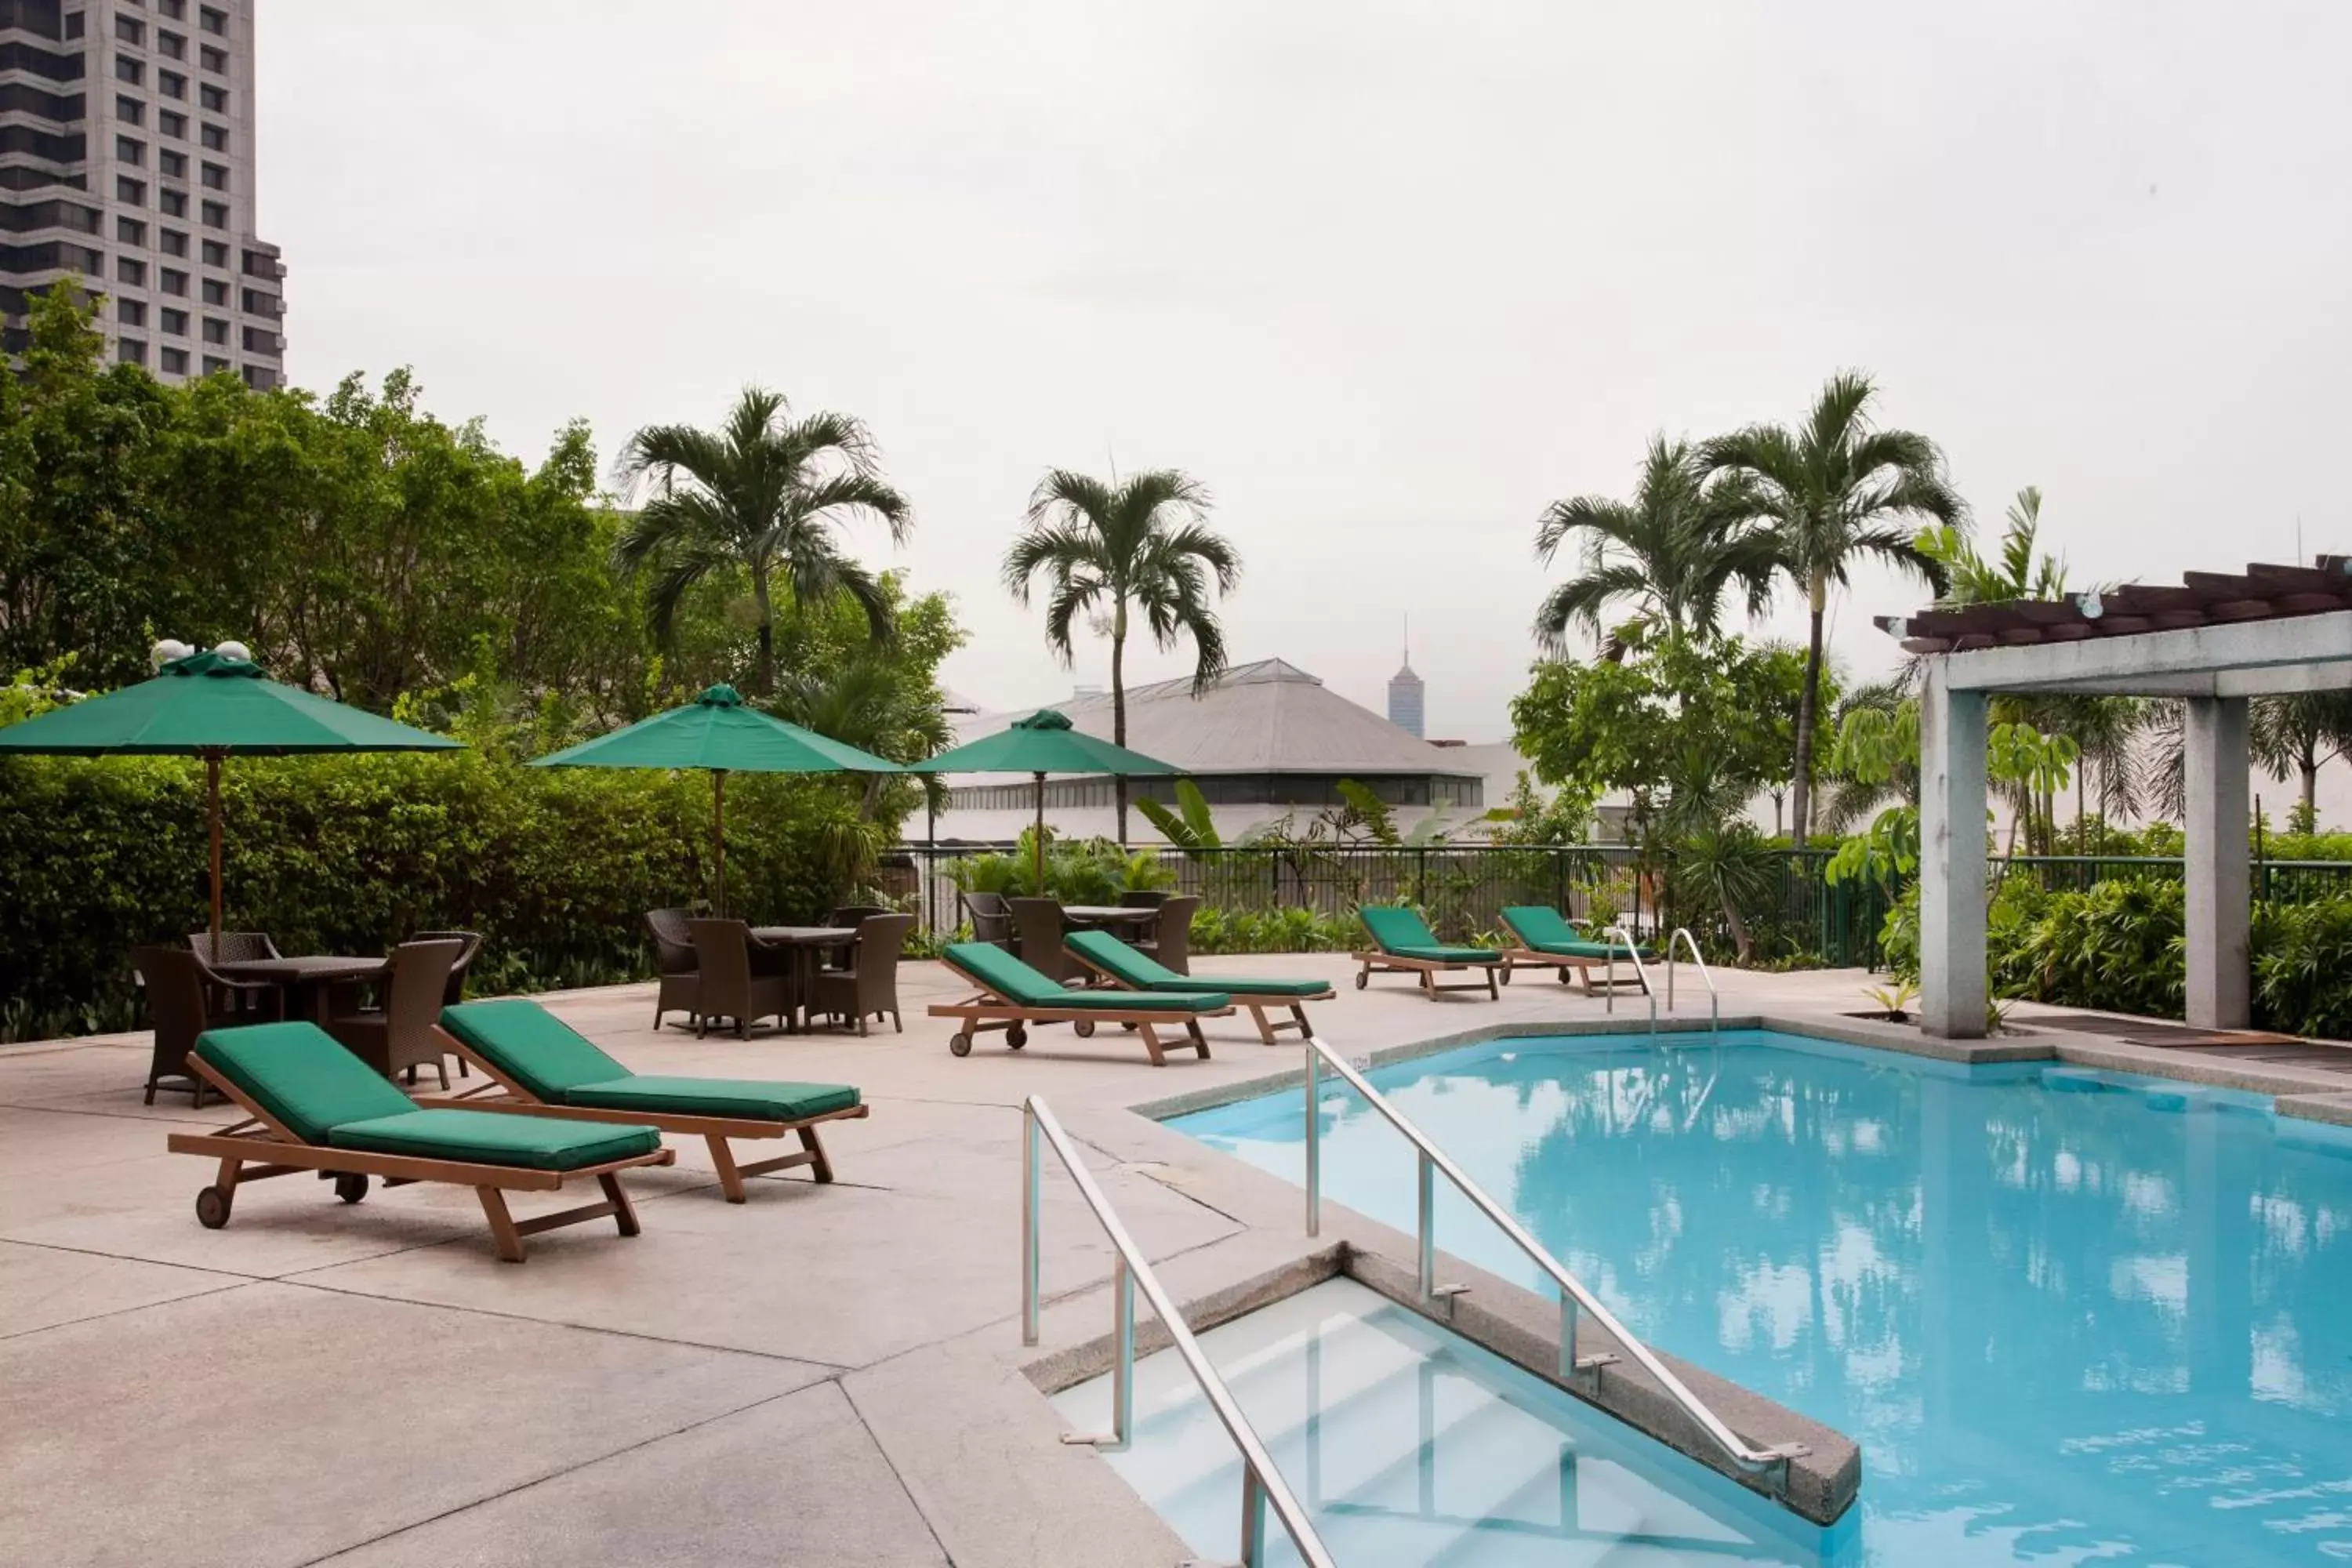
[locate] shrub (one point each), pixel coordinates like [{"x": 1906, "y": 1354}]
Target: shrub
[
  {"x": 2118, "y": 945},
  {"x": 1291, "y": 930},
  {"x": 555, "y": 868},
  {"x": 2302, "y": 967}
]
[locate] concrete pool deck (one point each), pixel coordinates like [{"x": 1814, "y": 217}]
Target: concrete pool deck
[{"x": 823, "y": 1375}]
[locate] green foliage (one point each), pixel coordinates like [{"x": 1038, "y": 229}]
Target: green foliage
[
  {"x": 1530, "y": 817},
  {"x": 1291, "y": 930},
  {"x": 1190, "y": 825},
  {"x": 2302, "y": 967},
  {"x": 556, "y": 867},
  {"x": 2118, "y": 945}
]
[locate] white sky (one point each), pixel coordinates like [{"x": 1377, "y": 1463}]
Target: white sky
[{"x": 1386, "y": 278}]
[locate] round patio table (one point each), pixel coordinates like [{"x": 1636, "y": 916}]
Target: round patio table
[
  {"x": 1110, "y": 914},
  {"x": 804, "y": 945},
  {"x": 314, "y": 976}
]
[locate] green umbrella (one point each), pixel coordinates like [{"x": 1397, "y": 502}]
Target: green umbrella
[
  {"x": 209, "y": 705},
  {"x": 721, "y": 733},
  {"x": 1044, "y": 742}
]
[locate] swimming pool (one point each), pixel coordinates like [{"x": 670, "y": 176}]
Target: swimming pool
[{"x": 2070, "y": 1317}]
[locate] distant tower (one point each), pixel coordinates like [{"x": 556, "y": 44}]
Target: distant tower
[{"x": 1405, "y": 697}]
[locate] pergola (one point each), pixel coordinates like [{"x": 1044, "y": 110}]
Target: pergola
[{"x": 2212, "y": 643}]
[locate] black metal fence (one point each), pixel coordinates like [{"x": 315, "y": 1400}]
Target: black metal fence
[
  {"x": 1463, "y": 888},
  {"x": 2274, "y": 881}
]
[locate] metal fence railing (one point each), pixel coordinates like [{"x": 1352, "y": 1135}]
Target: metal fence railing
[{"x": 2274, "y": 881}]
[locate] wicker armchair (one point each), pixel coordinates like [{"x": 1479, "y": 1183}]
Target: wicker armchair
[
  {"x": 455, "y": 991},
  {"x": 1172, "y": 942},
  {"x": 729, "y": 987},
  {"x": 992, "y": 919},
  {"x": 399, "y": 1036},
  {"x": 179, "y": 999},
  {"x": 1041, "y": 926},
  {"x": 236, "y": 947},
  {"x": 869, "y": 988},
  {"x": 681, "y": 981}
]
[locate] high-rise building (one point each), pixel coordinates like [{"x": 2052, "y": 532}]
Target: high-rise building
[
  {"x": 126, "y": 160},
  {"x": 1405, "y": 694}
]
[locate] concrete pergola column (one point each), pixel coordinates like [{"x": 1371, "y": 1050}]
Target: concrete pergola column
[
  {"x": 2219, "y": 865},
  {"x": 1952, "y": 858}
]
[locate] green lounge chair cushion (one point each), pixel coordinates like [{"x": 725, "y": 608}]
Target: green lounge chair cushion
[
  {"x": 1400, "y": 934},
  {"x": 531, "y": 1045},
  {"x": 1145, "y": 973},
  {"x": 991, "y": 967},
  {"x": 742, "y": 1099},
  {"x": 301, "y": 1077},
  {"x": 1544, "y": 930},
  {"x": 1447, "y": 955},
  {"x": 491, "y": 1138}
]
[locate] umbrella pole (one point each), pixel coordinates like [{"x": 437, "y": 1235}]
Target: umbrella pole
[
  {"x": 1041, "y": 835},
  {"x": 718, "y": 838},
  {"x": 213, "y": 814}
]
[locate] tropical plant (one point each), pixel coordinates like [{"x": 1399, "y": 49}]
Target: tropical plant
[
  {"x": 1190, "y": 825},
  {"x": 1893, "y": 999},
  {"x": 1671, "y": 554},
  {"x": 2299, "y": 735},
  {"x": 1824, "y": 498},
  {"x": 763, "y": 495},
  {"x": 1730, "y": 865},
  {"x": 1118, "y": 551},
  {"x": 2015, "y": 572}
]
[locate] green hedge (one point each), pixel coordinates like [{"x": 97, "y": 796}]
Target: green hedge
[{"x": 556, "y": 867}]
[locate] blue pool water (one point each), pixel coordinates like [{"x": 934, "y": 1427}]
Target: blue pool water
[{"x": 2071, "y": 1318}]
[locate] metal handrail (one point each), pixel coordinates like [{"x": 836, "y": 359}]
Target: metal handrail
[
  {"x": 1770, "y": 1463},
  {"x": 1714, "y": 997},
  {"x": 1262, "y": 1487},
  {"x": 1634, "y": 953}
]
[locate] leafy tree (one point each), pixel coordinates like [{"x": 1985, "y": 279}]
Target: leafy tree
[
  {"x": 2301, "y": 735},
  {"x": 1671, "y": 553},
  {"x": 2016, "y": 573},
  {"x": 1140, "y": 547},
  {"x": 759, "y": 498},
  {"x": 1824, "y": 496},
  {"x": 880, "y": 698},
  {"x": 1189, "y": 825}
]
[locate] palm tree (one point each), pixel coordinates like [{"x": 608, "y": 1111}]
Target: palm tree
[
  {"x": 762, "y": 495},
  {"x": 1119, "y": 550},
  {"x": 2301, "y": 735},
  {"x": 875, "y": 705},
  {"x": 1829, "y": 494},
  {"x": 1671, "y": 552}
]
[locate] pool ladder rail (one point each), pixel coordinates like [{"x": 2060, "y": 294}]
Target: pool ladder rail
[
  {"x": 1682, "y": 934},
  {"x": 1263, "y": 1488},
  {"x": 1768, "y": 1464}
]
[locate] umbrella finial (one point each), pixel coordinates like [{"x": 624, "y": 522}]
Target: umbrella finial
[
  {"x": 719, "y": 696},
  {"x": 232, "y": 648},
  {"x": 166, "y": 650},
  {"x": 1044, "y": 719}
]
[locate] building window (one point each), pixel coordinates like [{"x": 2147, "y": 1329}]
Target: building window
[
  {"x": 260, "y": 377},
  {"x": 74, "y": 25},
  {"x": 216, "y": 214},
  {"x": 171, "y": 44},
  {"x": 215, "y": 331},
  {"x": 127, "y": 189},
  {"x": 132, "y": 352},
  {"x": 175, "y": 242},
  {"x": 175, "y": 322},
  {"x": 175, "y": 9},
  {"x": 174, "y": 203},
  {"x": 214, "y": 98},
  {"x": 128, "y": 110},
  {"x": 213, "y": 21},
  {"x": 130, "y": 271},
  {"x": 216, "y": 253},
  {"x": 215, "y": 292},
  {"x": 258, "y": 303},
  {"x": 259, "y": 339},
  {"x": 130, "y": 70},
  {"x": 215, "y": 177},
  {"x": 172, "y": 282},
  {"x": 175, "y": 362},
  {"x": 173, "y": 124},
  {"x": 130, "y": 231},
  {"x": 216, "y": 138},
  {"x": 215, "y": 60},
  {"x": 129, "y": 29},
  {"x": 171, "y": 84},
  {"x": 214, "y": 367},
  {"x": 131, "y": 312},
  {"x": 129, "y": 150},
  {"x": 173, "y": 165}
]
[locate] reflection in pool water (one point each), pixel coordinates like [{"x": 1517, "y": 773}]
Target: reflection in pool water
[{"x": 2070, "y": 1317}]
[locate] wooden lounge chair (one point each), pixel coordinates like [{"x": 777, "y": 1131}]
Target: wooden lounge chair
[
  {"x": 1122, "y": 965},
  {"x": 313, "y": 1106},
  {"x": 1402, "y": 943},
  {"x": 1011, "y": 996},
  {"x": 1547, "y": 941},
  {"x": 538, "y": 1065}
]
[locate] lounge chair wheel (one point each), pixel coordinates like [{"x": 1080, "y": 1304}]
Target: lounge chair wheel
[
  {"x": 1017, "y": 1036},
  {"x": 1361, "y": 979},
  {"x": 960, "y": 1043},
  {"x": 1564, "y": 975},
  {"x": 1506, "y": 977},
  {"x": 1083, "y": 1027},
  {"x": 351, "y": 1185},
  {"x": 211, "y": 1207}
]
